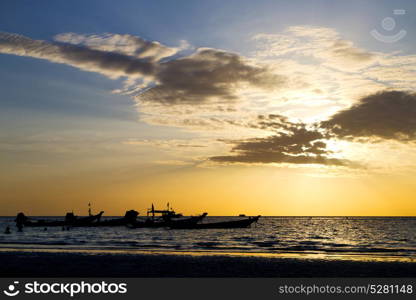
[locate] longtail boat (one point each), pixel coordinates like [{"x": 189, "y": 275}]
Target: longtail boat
[
  {"x": 216, "y": 225},
  {"x": 149, "y": 223},
  {"x": 165, "y": 214},
  {"x": 23, "y": 221},
  {"x": 129, "y": 218},
  {"x": 70, "y": 220}
]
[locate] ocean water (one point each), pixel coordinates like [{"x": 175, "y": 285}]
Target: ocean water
[{"x": 323, "y": 237}]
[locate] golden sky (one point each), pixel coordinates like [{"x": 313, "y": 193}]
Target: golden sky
[{"x": 298, "y": 120}]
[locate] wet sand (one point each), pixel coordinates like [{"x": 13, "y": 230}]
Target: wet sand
[{"x": 86, "y": 264}]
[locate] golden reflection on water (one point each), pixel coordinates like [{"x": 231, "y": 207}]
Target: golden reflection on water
[{"x": 286, "y": 255}]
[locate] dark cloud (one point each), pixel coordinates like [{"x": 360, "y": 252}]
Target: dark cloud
[
  {"x": 208, "y": 75},
  {"x": 274, "y": 122},
  {"x": 294, "y": 143},
  {"x": 389, "y": 115},
  {"x": 111, "y": 64},
  {"x": 384, "y": 115}
]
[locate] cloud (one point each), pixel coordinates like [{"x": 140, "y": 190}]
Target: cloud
[
  {"x": 321, "y": 43},
  {"x": 294, "y": 144},
  {"x": 168, "y": 144},
  {"x": 385, "y": 115},
  {"x": 111, "y": 64},
  {"x": 172, "y": 162},
  {"x": 121, "y": 43},
  {"x": 273, "y": 122},
  {"x": 343, "y": 49},
  {"x": 306, "y": 73},
  {"x": 208, "y": 75}
]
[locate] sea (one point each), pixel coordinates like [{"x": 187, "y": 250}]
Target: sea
[{"x": 356, "y": 238}]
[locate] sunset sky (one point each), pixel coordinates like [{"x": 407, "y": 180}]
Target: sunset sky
[{"x": 255, "y": 107}]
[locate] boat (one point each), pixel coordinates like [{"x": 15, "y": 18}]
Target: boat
[
  {"x": 166, "y": 214},
  {"x": 23, "y": 221},
  {"x": 165, "y": 219},
  {"x": 70, "y": 220},
  {"x": 153, "y": 221},
  {"x": 158, "y": 223},
  {"x": 216, "y": 225},
  {"x": 129, "y": 218}
]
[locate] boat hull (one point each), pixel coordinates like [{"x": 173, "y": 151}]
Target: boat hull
[
  {"x": 218, "y": 225},
  {"x": 77, "y": 222},
  {"x": 168, "y": 223}
]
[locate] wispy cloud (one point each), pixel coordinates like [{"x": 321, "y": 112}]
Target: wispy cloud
[
  {"x": 111, "y": 64},
  {"x": 321, "y": 43},
  {"x": 123, "y": 44},
  {"x": 208, "y": 75}
]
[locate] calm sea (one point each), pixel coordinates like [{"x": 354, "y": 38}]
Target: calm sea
[{"x": 324, "y": 237}]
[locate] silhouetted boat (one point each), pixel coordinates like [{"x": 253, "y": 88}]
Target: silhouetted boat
[
  {"x": 163, "y": 220},
  {"x": 158, "y": 223},
  {"x": 165, "y": 214},
  {"x": 22, "y": 220},
  {"x": 129, "y": 218},
  {"x": 70, "y": 220},
  {"x": 216, "y": 225}
]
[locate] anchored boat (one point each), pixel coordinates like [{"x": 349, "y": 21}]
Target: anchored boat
[
  {"x": 216, "y": 225},
  {"x": 165, "y": 219},
  {"x": 155, "y": 219},
  {"x": 130, "y": 217},
  {"x": 70, "y": 220}
]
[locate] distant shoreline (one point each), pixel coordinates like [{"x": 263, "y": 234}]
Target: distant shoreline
[{"x": 37, "y": 263}]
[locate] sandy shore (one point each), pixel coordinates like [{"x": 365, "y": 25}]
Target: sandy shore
[{"x": 76, "y": 264}]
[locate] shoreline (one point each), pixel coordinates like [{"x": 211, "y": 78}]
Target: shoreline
[{"x": 103, "y": 263}]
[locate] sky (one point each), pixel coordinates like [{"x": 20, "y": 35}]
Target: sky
[{"x": 257, "y": 107}]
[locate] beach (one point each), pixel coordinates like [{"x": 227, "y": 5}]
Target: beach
[{"x": 40, "y": 263}]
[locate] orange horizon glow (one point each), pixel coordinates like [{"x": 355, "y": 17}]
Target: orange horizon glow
[{"x": 233, "y": 191}]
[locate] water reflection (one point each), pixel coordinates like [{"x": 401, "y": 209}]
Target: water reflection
[{"x": 309, "y": 237}]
